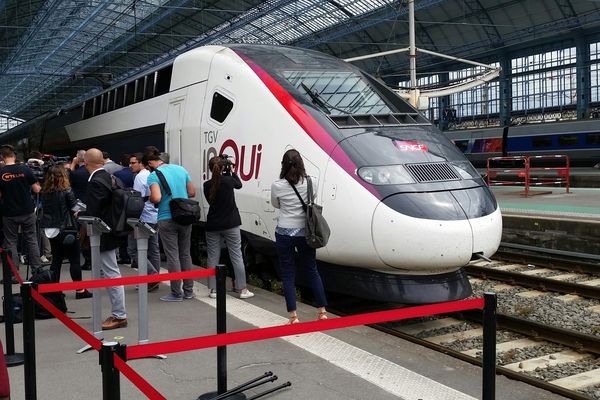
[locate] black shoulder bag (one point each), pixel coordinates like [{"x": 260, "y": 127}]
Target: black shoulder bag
[
  {"x": 316, "y": 230},
  {"x": 183, "y": 211}
]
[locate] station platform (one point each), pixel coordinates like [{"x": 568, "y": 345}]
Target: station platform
[
  {"x": 557, "y": 220},
  {"x": 580, "y": 177},
  {"x": 354, "y": 363}
]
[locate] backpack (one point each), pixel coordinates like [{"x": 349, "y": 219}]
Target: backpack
[
  {"x": 56, "y": 298},
  {"x": 17, "y": 301},
  {"x": 126, "y": 203}
]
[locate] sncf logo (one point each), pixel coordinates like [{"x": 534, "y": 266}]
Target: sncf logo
[
  {"x": 409, "y": 146},
  {"x": 246, "y": 157},
  {"x": 7, "y": 176}
]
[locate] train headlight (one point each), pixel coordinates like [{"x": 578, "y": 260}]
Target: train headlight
[
  {"x": 465, "y": 170},
  {"x": 385, "y": 175}
]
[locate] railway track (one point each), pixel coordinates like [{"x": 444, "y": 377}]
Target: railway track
[
  {"x": 461, "y": 336},
  {"x": 563, "y": 361}
]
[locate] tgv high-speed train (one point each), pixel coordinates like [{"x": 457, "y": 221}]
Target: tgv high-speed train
[
  {"x": 580, "y": 140},
  {"x": 406, "y": 209}
]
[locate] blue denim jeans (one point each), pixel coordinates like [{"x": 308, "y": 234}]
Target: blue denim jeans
[{"x": 286, "y": 250}]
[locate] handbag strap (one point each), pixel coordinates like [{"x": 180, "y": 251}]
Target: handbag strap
[
  {"x": 163, "y": 182},
  {"x": 309, "y": 191}
]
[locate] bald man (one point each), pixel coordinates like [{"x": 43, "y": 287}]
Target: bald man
[{"x": 99, "y": 204}]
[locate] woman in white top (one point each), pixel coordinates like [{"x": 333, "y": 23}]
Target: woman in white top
[{"x": 289, "y": 234}]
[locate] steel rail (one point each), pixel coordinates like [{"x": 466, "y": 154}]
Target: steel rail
[
  {"x": 580, "y": 341},
  {"x": 534, "y": 282},
  {"x": 478, "y": 362},
  {"x": 504, "y": 322},
  {"x": 558, "y": 259}
]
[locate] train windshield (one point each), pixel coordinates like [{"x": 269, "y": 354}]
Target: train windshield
[{"x": 338, "y": 92}]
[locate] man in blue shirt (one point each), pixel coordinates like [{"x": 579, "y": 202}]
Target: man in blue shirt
[{"x": 175, "y": 238}]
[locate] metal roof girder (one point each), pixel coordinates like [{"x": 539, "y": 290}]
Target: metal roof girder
[
  {"x": 38, "y": 20},
  {"x": 531, "y": 31},
  {"x": 486, "y": 22},
  {"x": 368, "y": 21},
  {"x": 258, "y": 11}
]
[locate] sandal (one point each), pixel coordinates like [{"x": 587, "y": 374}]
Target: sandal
[
  {"x": 321, "y": 315},
  {"x": 293, "y": 320}
]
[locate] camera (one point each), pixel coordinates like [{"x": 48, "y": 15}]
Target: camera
[
  {"x": 39, "y": 169},
  {"x": 228, "y": 164}
]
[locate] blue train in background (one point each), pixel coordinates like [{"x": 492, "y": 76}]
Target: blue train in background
[{"x": 580, "y": 140}]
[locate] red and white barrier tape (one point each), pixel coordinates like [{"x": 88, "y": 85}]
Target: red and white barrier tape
[
  {"x": 130, "y": 280},
  {"x": 135, "y": 378},
  {"x": 14, "y": 269},
  {"x": 224, "y": 339}
]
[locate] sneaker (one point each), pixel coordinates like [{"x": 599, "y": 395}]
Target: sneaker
[
  {"x": 188, "y": 296},
  {"x": 45, "y": 260},
  {"x": 84, "y": 294},
  {"x": 246, "y": 294},
  {"x": 114, "y": 323},
  {"x": 212, "y": 294},
  {"x": 171, "y": 297},
  {"x": 153, "y": 286}
]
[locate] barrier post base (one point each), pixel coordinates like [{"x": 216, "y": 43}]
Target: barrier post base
[
  {"x": 212, "y": 395},
  {"x": 13, "y": 360},
  {"x": 87, "y": 347}
]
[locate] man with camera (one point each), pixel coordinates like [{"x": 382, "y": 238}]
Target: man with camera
[{"x": 16, "y": 184}]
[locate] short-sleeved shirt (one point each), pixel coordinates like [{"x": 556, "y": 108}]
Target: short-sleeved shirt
[
  {"x": 150, "y": 213},
  {"x": 177, "y": 178},
  {"x": 15, "y": 186}
]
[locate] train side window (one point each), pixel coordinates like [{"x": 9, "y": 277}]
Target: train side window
[
  {"x": 139, "y": 89},
  {"x": 105, "y": 102},
  {"x": 88, "y": 109},
  {"x": 120, "y": 97},
  {"x": 462, "y": 145},
  {"x": 592, "y": 138},
  {"x": 220, "y": 108},
  {"x": 111, "y": 101},
  {"x": 568, "y": 140},
  {"x": 541, "y": 141},
  {"x": 149, "y": 86},
  {"x": 97, "y": 105},
  {"x": 163, "y": 80},
  {"x": 129, "y": 93}
]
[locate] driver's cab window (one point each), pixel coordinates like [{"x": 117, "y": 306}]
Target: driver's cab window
[{"x": 221, "y": 107}]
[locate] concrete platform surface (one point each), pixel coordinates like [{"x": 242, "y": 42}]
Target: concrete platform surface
[
  {"x": 355, "y": 363},
  {"x": 580, "y": 203}
]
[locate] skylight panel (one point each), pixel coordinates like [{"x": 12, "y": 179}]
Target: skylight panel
[{"x": 359, "y": 7}]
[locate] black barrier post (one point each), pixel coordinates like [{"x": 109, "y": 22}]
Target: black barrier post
[
  {"x": 12, "y": 359},
  {"x": 221, "y": 328},
  {"x": 29, "y": 341},
  {"x": 489, "y": 346},
  {"x": 221, "y": 276},
  {"x": 111, "y": 386}
]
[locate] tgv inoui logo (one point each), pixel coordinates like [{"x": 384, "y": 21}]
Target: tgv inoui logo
[{"x": 247, "y": 158}]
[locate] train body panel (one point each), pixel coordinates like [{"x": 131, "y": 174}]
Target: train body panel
[
  {"x": 406, "y": 209},
  {"x": 580, "y": 140}
]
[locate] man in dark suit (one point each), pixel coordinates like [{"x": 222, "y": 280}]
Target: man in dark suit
[{"x": 99, "y": 204}]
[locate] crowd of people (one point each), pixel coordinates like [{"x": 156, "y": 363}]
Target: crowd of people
[{"x": 42, "y": 198}]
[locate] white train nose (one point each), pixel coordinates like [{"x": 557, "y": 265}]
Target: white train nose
[{"x": 420, "y": 245}]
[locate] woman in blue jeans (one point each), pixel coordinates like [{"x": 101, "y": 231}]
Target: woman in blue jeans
[{"x": 289, "y": 234}]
